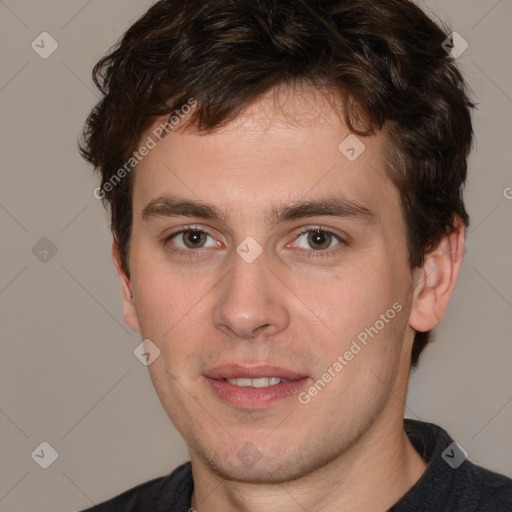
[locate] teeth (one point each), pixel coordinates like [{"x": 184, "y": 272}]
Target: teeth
[{"x": 260, "y": 382}]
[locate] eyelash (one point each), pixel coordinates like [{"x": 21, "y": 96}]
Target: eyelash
[{"x": 326, "y": 253}]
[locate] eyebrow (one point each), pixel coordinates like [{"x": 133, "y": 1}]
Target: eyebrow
[{"x": 333, "y": 206}]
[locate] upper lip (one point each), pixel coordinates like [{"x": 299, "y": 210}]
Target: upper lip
[{"x": 232, "y": 371}]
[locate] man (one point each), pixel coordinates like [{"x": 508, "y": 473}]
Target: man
[{"x": 285, "y": 183}]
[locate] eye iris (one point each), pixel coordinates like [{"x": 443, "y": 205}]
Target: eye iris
[
  {"x": 319, "y": 238},
  {"x": 193, "y": 237}
]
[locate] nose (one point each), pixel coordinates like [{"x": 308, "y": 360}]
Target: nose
[{"x": 252, "y": 301}]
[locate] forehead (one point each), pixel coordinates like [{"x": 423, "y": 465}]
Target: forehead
[{"x": 287, "y": 145}]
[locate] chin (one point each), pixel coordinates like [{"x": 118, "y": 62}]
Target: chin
[
  {"x": 264, "y": 474},
  {"x": 250, "y": 466}
]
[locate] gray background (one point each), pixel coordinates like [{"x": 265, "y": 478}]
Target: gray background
[{"x": 68, "y": 373}]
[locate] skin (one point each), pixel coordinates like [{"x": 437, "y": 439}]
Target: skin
[{"x": 346, "y": 449}]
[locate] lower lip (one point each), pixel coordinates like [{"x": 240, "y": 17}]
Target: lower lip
[{"x": 255, "y": 398}]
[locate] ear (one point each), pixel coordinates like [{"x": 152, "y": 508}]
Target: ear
[
  {"x": 436, "y": 280},
  {"x": 129, "y": 312}
]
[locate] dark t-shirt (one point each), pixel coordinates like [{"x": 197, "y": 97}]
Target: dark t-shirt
[{"x": 450, "y": 483}]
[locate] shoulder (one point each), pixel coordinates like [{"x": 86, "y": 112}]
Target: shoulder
[
  {"x": 451, "y": 482},
  {"x": 493, "y": 489},
  {"x": 173, "y": 490}
]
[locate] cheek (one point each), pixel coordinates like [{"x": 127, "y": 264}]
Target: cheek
[
  {"x": 173, "y": 312},
  {"x": 163, "y": 295},
  {"x": 369, "y": 319},
  {"x": 356, "y": 299},
  {"x": 362, "y": 364},
  {"x": 158, "y": 304}
]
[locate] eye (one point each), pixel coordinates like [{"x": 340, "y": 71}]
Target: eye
[
  {"x": 318, "y": 240},
  {"x": 190, "y": 238}
]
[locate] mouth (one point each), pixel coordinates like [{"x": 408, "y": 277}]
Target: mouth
[
  {"x": 260, "y": 382},
  {"x": 254, "y": 387}
]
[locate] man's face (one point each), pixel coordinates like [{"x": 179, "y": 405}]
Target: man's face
[{"x": 217, "y": 313}]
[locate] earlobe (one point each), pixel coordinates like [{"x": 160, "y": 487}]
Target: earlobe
[
  {"x": 129, "y": 311},
  {"x": 435, "y": 281}
]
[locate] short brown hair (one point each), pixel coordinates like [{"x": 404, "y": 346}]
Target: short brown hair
[{"x": 386, "y": 57}]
